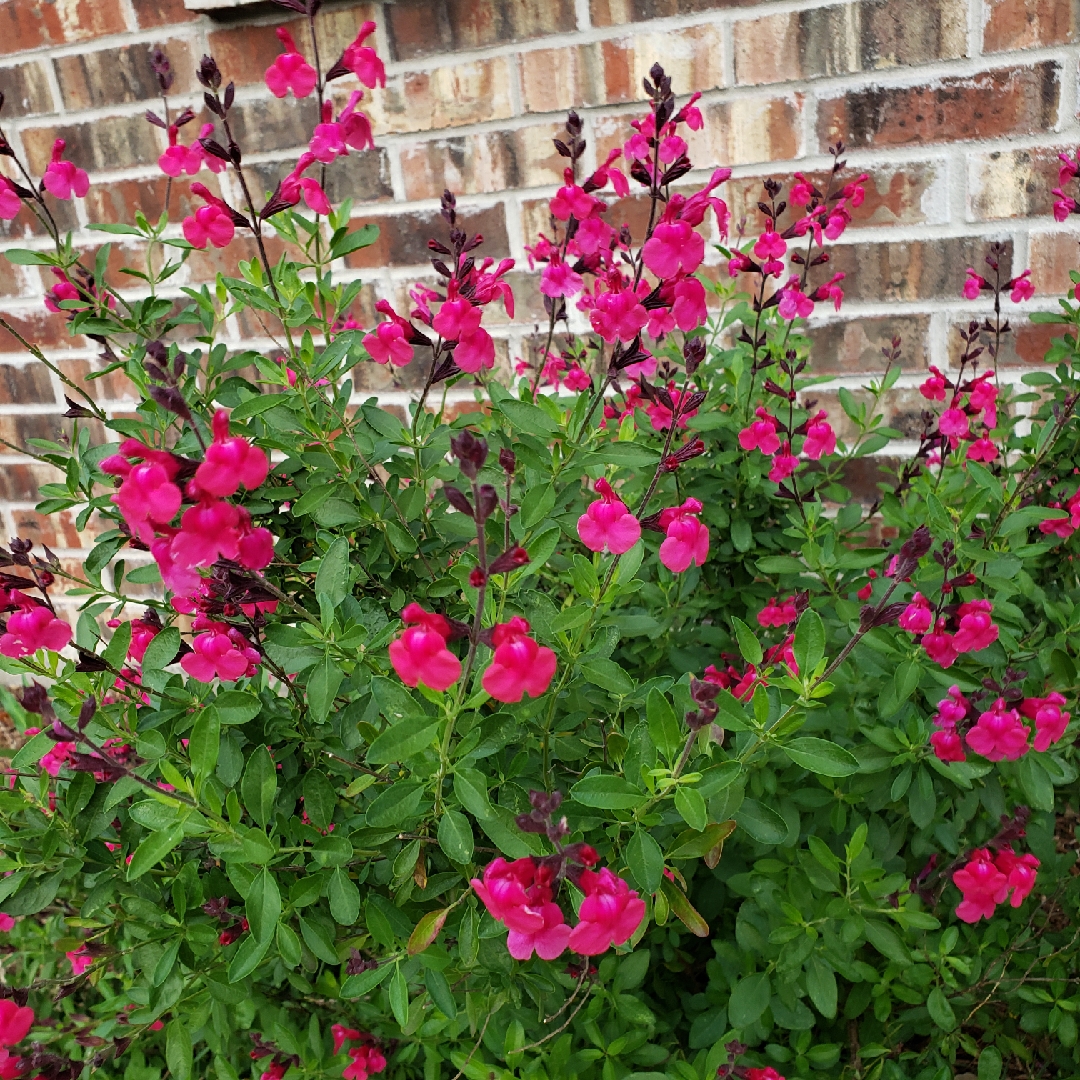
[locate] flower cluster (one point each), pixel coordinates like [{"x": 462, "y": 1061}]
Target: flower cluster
[
  {"x": 952, "y": 630},
  {"x": 987, "y": 879},
  {"x": 365, "y": 1059},
  {"x": 15, "y": 1024}
]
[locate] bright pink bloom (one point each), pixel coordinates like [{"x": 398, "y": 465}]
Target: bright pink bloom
[
  {"x": 1050, "y": 719},
  {"x": 571, "y": 201},
  {"x": 983, "y": 396},
  {"x": 577, "y": 379},
  {"x": 179, "y": 158},
  {"x": 939, "y": 646},
  {"x": 618, "y": 315},
  {"x": 770, "y": 245},
  {"x": 342, "y": 1034},
  {"x": 55, "y": 758},
  {"x": 1021, "y": 872},
  {"x": 208, "y": 531},
  {"x": 1021, "y": 288},
  {"x": 660, "y": 415},
  {"x": 794, "y": 304},
  {"x": 475, "y": 351},
  {"x": 420, "y": 655},
  {"x": 221, "y": 651},
  {"x": 594, "y": 234},
  {"x": 761, "y": 434},
  {"x": 10, "y": 203},
  {"x": 15, "y": 1022},
  {"x": 983, "y": 886},
  {"x": 363, "y": 62},
  {"x": 559, "y": 279},
  {"x": 767, "y": 1073},
  {"x": 831, "y": 290},
  {"x": 388, "y": 343},
  {"x": 256, "y": 550},
  {"x": 365, "y": 1061},
  {"x": 332, "y": 138},
  {"x": 230, "y": 462},
  {"x": 549, "y": 942},
  {"x": 687, "y": 538},
  {"x": 954, "y": 423},
  {"x": 519, "y": 666},
  {"x": 868, "y": 589},
  {"x": 917, "y": 616},
  {"x": 974, "y": 284},
  {"x": 62, "y": 178},
  {"x": 1059, "y": 526},
  {"x": 512, "y": 895},
  {"x": 952, "y": 709},
  {"x": 933, "y": 389},
  {"x": 28, "y": 631},
  {"x": 296, "y": 185},
  {"x": 607, "y": 525},
  {"x": 778, "y": 614},
  {"x": 210, "y": 224},
  {"x": 948, "y": 746},
  {"x": 79, "y": 959},
  {"x": 802, "y": 191},
  {"x": 820, "y": 438},
  {"x": 147, "y": 497},
  {"x": 177, "y": 577},
  {"x": 977, "y": 629},
  {"x": 999, "y": 734},
  {"x": 783, "y": 464},
  {"x": 741, "y": 685},
  {"x": 457, "y": 318},
  {"x": 982, "y": 449},
  {"x": 672, "y": 147},
  {"x": 673, "y": 248},
  {"x": 609, "y": 914},
  {"x": 6, "y": 922},
  {"x": 274, "y": 1071},
  {"x": 290, "y": 71},
  {"x": 687, "y": 299},
  {"x": 1063, "y": 205}
]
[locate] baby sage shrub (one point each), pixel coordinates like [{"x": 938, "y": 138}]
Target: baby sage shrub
[{"x": 601, "y": 731}]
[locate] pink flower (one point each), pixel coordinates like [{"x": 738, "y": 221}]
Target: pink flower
[
  {"x": 211, "y": 224},
  {"x": 420, "y": 655},
  {"x": 767, "y": 1073},
  {"x": 54, "y": 759},
  {"x": 933, "y": 389},
  {"x": 342, "y": 1035},
  {"x": 687, "y": 298},
  {"x": 230, "y": 462},
  {"x": 917, "y": 617},
  {"x": 672, "y": 147},
  {"x": 1050, "y": 720},
  {"x": 388, "y": 343},
  {"x": 1063, "y": 205},
  {"x": 256, "y": 550},
  {"x": 983, "y": 887},
  {"x": 607, "y": 525},
  {"x": 999, "y": 734},
  {"x": 954, "y": 423},
  {"x": 672, "y": 249},
  {"x": 147, "y": 495},
  {"x": 15, "y": 1022},
  {"x": 295, "y": 185},
  {"x": 948, "y": 746},
  {"x": 783, "y": 464},
  {"x": 741, "y": 685},
  {"x": 687, "y": 538},
  {"x": 363, "y": 62},
  {"x": 549, "y": 942},
  {"x": 222, "y": 652},
  {"x": 660, "y": 415},
  {"x": 577, "y": 379},
  {"x": 1059, "y": 526},
  {"x": 475, "y": 351},
  {"x": 62, "y": 179},
  {"x": 571, "y": 201},
  {"x": 802, "y": 191},
  {"x": 977, "y": 629},
  {"x": 332, "y": 138},
  {"x": 1021, "y": 872},
  {"x": 559, "y": 279},
  {"x": 774, "y": 614},
  {"x": 1022, "y": 288},
  {"x": 290, "y": 71},
  {"x": 179, "y": 158},
  {"x": 208, "y": 531},
  {"x": 983, "y": 396},
  {"x": 10, "y": 203},
  {"x": 794, "y": 304},
  {"x": 512, "y": 895},
  {"x": 609, "y": 914},
  {"x": 28, "y": 631},
  {"x": 457, "y": 318},
  {"x": 761, "y": 434},
  {"x": 177, "y": 577},
  {"x": 831, "y": 290},
  {"x": 365, "y": 1061},
  {"x": 982, "y": 449},
  {"x": 6, "y": 922},
  {"x": 820, "y": 438},
  {"x": 520, "y": 665},
  {"x": 618, "y": 316},
  {"x": 80, "y": 960},
  {"x": 770, "y": 245},
  {"x": 952, "y": 709},
  {"x": 939, "y": 646},
  {"x": 974, "y": 284}
]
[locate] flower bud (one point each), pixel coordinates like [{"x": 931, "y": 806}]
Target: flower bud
[
  {"x": 470, "y": 451},
  {"x": 508, "y": 460},
  {"x": 488, "y": 499}
]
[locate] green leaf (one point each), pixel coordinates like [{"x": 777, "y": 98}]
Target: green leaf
[
  {"x": 26, "y": 257},
  {"x": 440, "y": 992},
  {"x": 288, "y": 945},
  {"x": 263, "y": 906},
  {"x": 318, "y": 940},
  {"x": 941, "y": 1012},
  {"x": 749, "y": 999},
  {"x": 33, "y": 750},
  {"x": 254, "y": 406},
  {"x": 990, "y": 1063},
  {"x": 258, "y": 788},
  {"x": 886, "y": 941},
  {"x": 399, "y": 996},
  {"x": 646, "y": 861},
  {"x": 691, "y": 846},
  {"x": 163, "y": 968},
  {"x": 205, "y": 741},
  {"x": 607, "y": 792},
  {"x": 322, "y": 688},
  {"x": 396, "y": 805},
  {"x": 319, "y": 798},
  {"x": 403, "y": 739},
  {"x": 237, "y": 706},
  {"x": 528, "y": 418},
  {"x": 691, "y": 806},
  {"x": 470, "y": 786},
  {"x": 159, "y": 654},
  {"x": 821, "y": 985},
  {"x": 821, "y": 756},
  {"x": 749, "y": 645},
  {"x": 761, "y": 823},
  {"x": 426, "y": 931},
  {"x": 608, "y": 676},
  {"x": 664, "y": 729},
  {"x": 116, "y": 651},
  {"x": 456, "y": 837},
  {"x": 178, "y": 1052},
  {"x": 1036, "y": 783},
  {"x": 344, "y": 898},
  {"x": 152, "y": 850},
  {"x": 249, "y": 955},
  {"x": 809, "y": 645},
  {"x": 922, "y": 802},
  {"x": 718, "y": 777},
  {"x": 363, "y": 237},
  {"x": 357, "y": 985},
  {"x": 332, "y": 579}
]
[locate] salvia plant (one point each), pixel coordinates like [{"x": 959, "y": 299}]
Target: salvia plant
[{"x": 600, "y": 731}]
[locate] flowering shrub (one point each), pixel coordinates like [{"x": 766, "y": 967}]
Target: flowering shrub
[{"x": 599, "y": 731}]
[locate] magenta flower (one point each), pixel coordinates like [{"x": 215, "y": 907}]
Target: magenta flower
[
  {"x": 179, "y": 158},
  {"x": 952, "y": 709},
  {"x": 983, "y": 396},
  {"x": 1021, "y": 287},
  {"x": 687, "y": 298},
  {"x": 457, "y": 318},
  {"x": 577, "y": 379},
  {"x": 290, "y": 71},
  {"x": 80, "y": 959},
  {"x": 7, "y": 923},
  {"x": 939, "y": 646},
  {"x": 15, "y": 1021},
  {"x": 1050, "y": 719},
  {"x": 549, "y": 942},
  {"x": 607, "y": 525},
  {"x": 475, "y": 351},
  {"x": 363, "y": 61},
  {"x": 948, "y": 746},
  {"x": 954, "y": 423},
  {"x": 974, "y": 284},
  {"x": 1064, "y": 205},
  {"x": 1021, "y": 872},
  {"x": 933, "y": 388},
  {"x": 294, "y": 186},
  {"x": 510, "y": 895},
  {"x": 820, "y": 437},
  {"x": 63, "y": 179},
  {"x": 977, "y": 629},
  {"x": 210, "y": 224},
  {"x": 208, "y": 531},
  {"x": 520, "y": 665},
  {"x": 256, "y": 549},
  {"x": 618, "y": 315},
  {"x": 983, "y": 887},
  {"x": 794, "y": 303},
  {"x": 783, "y": 465},
  {"x": 999, "y": 734},
  {"x": 420, "y": 655},
  {"x": 332, "y": 138},
  {"x": 761, "y": 434},
  {"x": 778, "y": 614},
  {"x": 770, "y": 245},
  {"x": 687, "y": 538},
  {"x": 33, "y": 629},
  {"x": 559, "y": 279},
  {"x": 10, "y": 203},
  {"x": 388, "y": 344},
  {"x": 609, "y": 914},
  {"x": 571, "y": 200},
  {"x": 230, "y": 462},
  {"x": 917, "y": 617},
  {"x": 674, "y": 248},
  {"x": 982, "y": 449},
  {"x": 219, "y": 652}
]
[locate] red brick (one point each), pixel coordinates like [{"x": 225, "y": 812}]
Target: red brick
[
  {"x": 26, "y": 89},
  {"x": 853, "y": 346},
  {"x": 992, "y": 104},
  {"x": 571, "y": 76},
  {"x": 363, "y": 176},
  {"x": 620, "y": 12},
  {"x": 20, "y": 483},
  {"x": 486, "y": 162},
  {"x": 113, "y": 142},
  {"x": 424, "y": 27},
  {"x": 26, "y": 384},
  {"x": 1026, "y": 344},
  {"x": 1029, "y": 24},
  {"x": 119, "y": 76},
  {"x": 848, "y": 38},
  {"x": 1013, "y": 183},
  {"x": 41, "y": 328},
  {"x": 25, "y": 24},
  {"x": 1052, "y": 255},
  {"x": 150, "y": 13},
  {"x": 118, "y": 200},
  {"x": 57, "y": 531}
]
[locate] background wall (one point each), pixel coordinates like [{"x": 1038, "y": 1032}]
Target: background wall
[{"x": 956, "y": 108}]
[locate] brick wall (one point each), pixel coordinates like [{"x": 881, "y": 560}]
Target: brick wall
[{"x": 956, "y": 109}]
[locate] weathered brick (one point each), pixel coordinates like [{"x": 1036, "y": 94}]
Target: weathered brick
[
  {"x": 620, "y": 12},
  {"x": 42, "y": 328},
  {"x": 57, "y": 531},
  {"x": 20, "y": 483},
  {"x": 853, "y": 346},
  {"x": 118, "y": 200},
  {"x": 26, "y": 89},
  {"x": 117, "y": 76},
  {"x": 1028, "y": 24},
  {"x": 1052, "y": 255},
  {"x": 19, "y": 280},
  {"x": 1026, "y": 344},
  {"x": 363, "y": 176},
  {"x": 151, "y": 13},
  {"x": 489, "y": 161},
  {"x": 992, "y": 104},
  {"x": 908, "y": 270},
  {"x": 749, "y": 130},
  {"x": 19, "y": 429},
  {"x": 846, "y": 38},
  {"x": 26, "y": 384},
  {"x": 113, "y": 142},
  {"x": 403, "y": 237},
  {"x": 1013, "y": 183},
  {"x": 448, "y": 96},
  {"x": 272, "y": 124},
  {"x": 567, "y": 77},
  {"x": 28, "y": 25},
  {"x": 693, "y": 58},
  {"x": 424, "y": 27}
]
